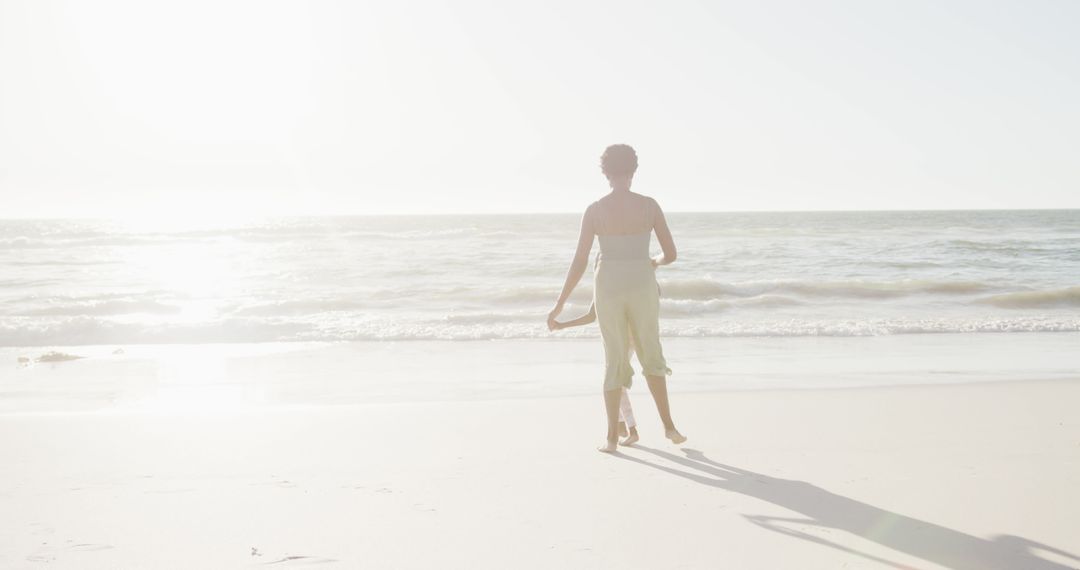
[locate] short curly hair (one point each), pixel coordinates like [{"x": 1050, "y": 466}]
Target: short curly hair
[{"x": 618, "y": 160}]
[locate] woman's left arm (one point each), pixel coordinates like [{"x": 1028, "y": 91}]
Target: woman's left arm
[
  {"x": 578, "y": 265},
  {"x": 663, "y": 235}
]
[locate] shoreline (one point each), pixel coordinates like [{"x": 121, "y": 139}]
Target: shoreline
[
  {"x": 224, "y": 377},
  {"x": 643, "y": 395}
]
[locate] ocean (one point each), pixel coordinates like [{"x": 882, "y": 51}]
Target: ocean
[{"x": 464, "y": 278}]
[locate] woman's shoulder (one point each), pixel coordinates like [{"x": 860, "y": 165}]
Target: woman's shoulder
[
  {"x": 649, "y": 205},
  {"x": 647, "y": 200},
  {"x": 592, "y": 215}
]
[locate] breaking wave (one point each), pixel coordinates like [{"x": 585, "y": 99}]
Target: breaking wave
[{"x": 1067, "y": 297}]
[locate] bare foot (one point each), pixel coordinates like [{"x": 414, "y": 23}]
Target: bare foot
[
  {"x": 609, "y": 447},
  {"x": 675, "y": 436},
  {"x": 631, "y": 440},
  {"x": 622, "y": 429}
]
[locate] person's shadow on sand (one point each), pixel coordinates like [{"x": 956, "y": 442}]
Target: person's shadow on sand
[{"x": 933, "y": 543}]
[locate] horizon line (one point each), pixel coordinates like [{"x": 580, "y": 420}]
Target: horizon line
[{"x": 545, "y": 213}]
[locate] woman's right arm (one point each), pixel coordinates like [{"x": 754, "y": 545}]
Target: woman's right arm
[
  {"x": 586, "y": 319},
  {"x": 578, "y": 265},
  {"x": 663, "y": 235}
]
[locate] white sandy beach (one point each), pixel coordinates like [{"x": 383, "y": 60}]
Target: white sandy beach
[{"x": 962, "y": 477}]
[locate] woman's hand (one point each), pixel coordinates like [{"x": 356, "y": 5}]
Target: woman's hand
[{"x": 551, "y": 323}]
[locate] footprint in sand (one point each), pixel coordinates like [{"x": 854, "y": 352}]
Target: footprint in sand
[
  {"x": 282, "y": 483},
  {"x": 301, "y": 560},
  {"x": 89, "y": 547},
  {"x": 48, "y": 554}
]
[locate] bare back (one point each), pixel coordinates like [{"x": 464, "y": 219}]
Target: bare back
[{"x": 623, "y": 213}]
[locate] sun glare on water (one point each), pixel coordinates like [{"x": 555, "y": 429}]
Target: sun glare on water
[
  {"x": 192, "y": 270},
  {"x": 192, "y": 260}
]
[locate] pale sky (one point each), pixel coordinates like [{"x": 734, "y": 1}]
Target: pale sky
[{"x": 223, "y": 107}]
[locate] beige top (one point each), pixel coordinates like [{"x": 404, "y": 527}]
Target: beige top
[{"x": 625, "y": 247}]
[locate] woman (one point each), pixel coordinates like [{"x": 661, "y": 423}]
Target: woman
[{"x": 625, "y": 292}]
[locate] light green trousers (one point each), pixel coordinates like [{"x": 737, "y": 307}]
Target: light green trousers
[{"x": 628, "y": 310}]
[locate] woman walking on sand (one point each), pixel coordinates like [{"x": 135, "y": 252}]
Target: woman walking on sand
[{"x": 625, "y": 292}]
